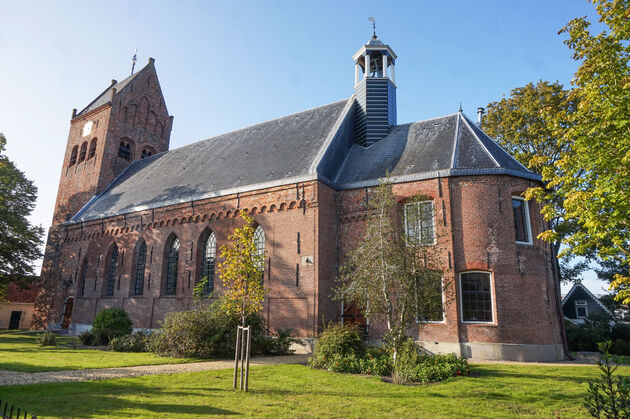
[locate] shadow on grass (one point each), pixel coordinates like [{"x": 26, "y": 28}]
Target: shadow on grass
[{"x": 104, "y": 398}]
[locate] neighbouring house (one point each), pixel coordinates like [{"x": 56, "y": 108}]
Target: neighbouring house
[
  {"x": 17, "y": 311},
  {"x": 579, "y": 303},
  {"x": 136, "y": 225}
]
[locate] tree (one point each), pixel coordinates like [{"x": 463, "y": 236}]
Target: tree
[
  {"x": 19, "y": 240},
  {"x": 241, "y": 271},
  {"x": 593, "y": 176},
  {"x": 529, "y": 124},
  {"x": 391, "y": 276}
]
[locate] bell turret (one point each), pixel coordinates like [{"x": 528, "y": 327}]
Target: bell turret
[{"x": 375, "y": 90}]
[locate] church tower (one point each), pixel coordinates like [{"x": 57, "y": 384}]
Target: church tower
[
  {"x": 375, "y": 90},
  {"x": 126, "y": 122}
]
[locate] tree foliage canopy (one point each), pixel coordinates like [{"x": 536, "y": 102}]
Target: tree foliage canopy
[
  {"x": 593, "y": 177},
  {"x": 19, "y": 240},
  {"x": 241, "y": 270},
  {"x": 530, "y": 124}
]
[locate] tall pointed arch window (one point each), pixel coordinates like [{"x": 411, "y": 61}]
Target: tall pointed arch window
[
  {"x": 208, "y": 262},
  {"x": 82, "y": 277},
  {"x": 113, "y": 271},
  {"x": 141, "y": 262},
  {"x": 92, "y": 151},
  {"x": 172, "y": 261},
  {"x": 259, "y": 244},
  {"x": 83, "y": 151},
  {"x": 73, "y": 155}
]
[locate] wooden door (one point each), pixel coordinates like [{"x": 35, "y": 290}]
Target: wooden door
[{"x": 67, "y": 312}]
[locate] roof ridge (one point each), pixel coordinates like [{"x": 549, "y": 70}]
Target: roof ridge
[
  {"x": 125, "y": 80},
  {"x": 455, "y": 143},
  {"x": 498, "y": 145},
  {"x": 481, "y": 142}
]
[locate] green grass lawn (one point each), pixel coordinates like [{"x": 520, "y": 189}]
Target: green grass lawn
[
  {"x": 494, "y": 390},
  {"x": 20, "y": 352}
]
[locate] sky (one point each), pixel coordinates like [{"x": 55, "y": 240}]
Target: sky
[{"x": 224, "y": 65}]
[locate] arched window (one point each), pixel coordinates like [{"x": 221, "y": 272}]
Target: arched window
[
  {"x": 147, "y": 152},
  {"x": 82, "y": 276},
  {"x": 259, "y": 243},
  {"x": 92, "y": 151},
  {"x": 113, "y": 270},
  {"x": 208, "y": 261},
  {"x": 73, "y": 155},
  {"x": 83, "y": 152},
  {"x": 141, "y": 262},
  {"x": 124, "y": 150},
  {"x": 172, "y": 260}
]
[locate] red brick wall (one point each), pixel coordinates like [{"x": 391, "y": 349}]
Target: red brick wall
[
  {"x": 475, "y": 231},
  {"x": 17, "y": 294}
]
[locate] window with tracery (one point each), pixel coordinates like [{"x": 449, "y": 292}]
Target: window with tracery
[
  {"x": 83, "y": 152},
  {"x": 141, "y": 260},
  {"x": 113, "y": 270},
  {"x": 73, "y": 155},
  {"x": 92, "y": 151},
  {"x": 171, "y": 267},
  {"x": 259, "y": 243},
  {"x": 124, "y": 150},
  {"x": 208, "y": 262}
]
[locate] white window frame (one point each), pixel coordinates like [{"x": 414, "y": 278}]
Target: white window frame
[
  {"x": 528, "y": 223},
  {"x": 581, "y": 303},
  {"x": 461, "y": 300},
  {"x": 443, "y": 321},
  {"x": 432, "y": 220}
]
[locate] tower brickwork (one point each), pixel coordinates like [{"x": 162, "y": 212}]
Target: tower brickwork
[{"x": 127, "y": 122}]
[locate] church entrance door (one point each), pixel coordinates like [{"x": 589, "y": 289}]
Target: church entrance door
[{"x": 67, "y": 312}]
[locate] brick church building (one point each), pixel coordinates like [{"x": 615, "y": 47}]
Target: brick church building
[{"x": 136, "y": 225}]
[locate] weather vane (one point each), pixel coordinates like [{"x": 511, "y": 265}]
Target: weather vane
[
  {"x": 133, "y": 60},
  {"x": 371, "y": 19}
]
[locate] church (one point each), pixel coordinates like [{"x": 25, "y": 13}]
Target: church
[{"x": 136, "y": 225}]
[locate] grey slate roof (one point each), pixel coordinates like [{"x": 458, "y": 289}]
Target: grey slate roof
[
  {"x": 274, "y": 152},
  {"x": 446, "y": 146},
  {"x": 314, "y": 144}
]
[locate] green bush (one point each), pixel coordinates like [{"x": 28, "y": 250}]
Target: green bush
[
  {"x": 111, "y": 323},
  {"x": 279, "y": 343},
  {"x": 337, "y": 344},
  {"x": 47, "y": 339},
  {"x": 608, "y": 395},
  {"x": 87, "y": 338},
  {"x": 207, "y": 332},
  {"x": 137, "y": 342},
  {"x": 414, "y": 367}
]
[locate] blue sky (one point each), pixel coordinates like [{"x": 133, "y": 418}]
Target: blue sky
[{"x": 224, "y": 65}]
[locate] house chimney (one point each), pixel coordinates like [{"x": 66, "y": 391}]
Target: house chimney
[{"x": 480, "y": 112}]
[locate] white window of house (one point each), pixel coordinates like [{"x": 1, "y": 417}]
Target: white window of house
[
  {"x": 430, "y": 310},
  {"x": 522, "y": 225},
  {"x": 581, "y": 309},
  {"x": 476, "y": 297},
  {"x": 419, "y": 225}
]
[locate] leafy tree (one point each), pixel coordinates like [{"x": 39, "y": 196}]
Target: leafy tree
[
  {"x": 241, "y": 270},
  {"x": 390, "y": 276},
  {"x": 609, "y": 395},
  {"x": 593, "y": 176},
  {"x": 19, "y": 240},
  {"x": 529, "y": 124}
]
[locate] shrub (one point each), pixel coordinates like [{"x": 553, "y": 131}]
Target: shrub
[
  {"x": 337, "y": 344},
  {"x": 207, "y": 332},
  {"x": 87, "y": 338},
  {"x": 279, "y": 343},
  {"x": 137, "y": 342},
  {"x": 111, "y": 323},
  {"x": 47, "y": 339},
  {"x": 412, "y": 366}
]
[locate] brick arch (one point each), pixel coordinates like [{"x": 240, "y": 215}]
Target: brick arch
[
  {"x": 272, "y": 208},
  {"x": 237, "y": 212},
  {"x": 263, "y": 209},
  {"x": 283, "y": 206},
  {"x": 292, "y": 205},
  {"x": 254, "y": 210},
  {"x": 228, "y": 214}
]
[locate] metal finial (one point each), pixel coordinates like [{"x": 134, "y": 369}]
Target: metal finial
[
  {"x": 460, "y": 105},
  {"x": 371, "y": 19},
  {"x": 133, "y": 60}
]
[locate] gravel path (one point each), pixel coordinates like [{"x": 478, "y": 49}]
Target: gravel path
[{"x": 11, "y": 378}]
